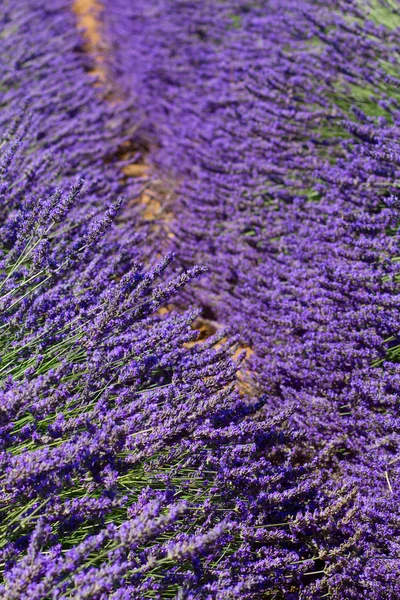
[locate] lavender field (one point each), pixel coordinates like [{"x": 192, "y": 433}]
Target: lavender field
[{"x": 200, "y": 299}]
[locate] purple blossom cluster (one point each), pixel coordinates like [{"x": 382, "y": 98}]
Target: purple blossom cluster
[
  {"x": 131, "y": 467},
  {"x": 280, "y": 123}
]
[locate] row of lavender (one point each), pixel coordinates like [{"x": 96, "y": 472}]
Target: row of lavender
[
  {"x": 280, "y": 121},
  {"x": 130, "y": 466}
]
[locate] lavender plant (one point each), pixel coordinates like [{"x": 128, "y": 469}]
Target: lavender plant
[
  {"x": 279, "y": 122},
  {"x": 130, "y": 465}
]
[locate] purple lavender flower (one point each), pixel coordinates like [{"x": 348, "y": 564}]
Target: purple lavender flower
[
  {"x": 130, "y": 465},
  {"x": 279, "y": 123}
]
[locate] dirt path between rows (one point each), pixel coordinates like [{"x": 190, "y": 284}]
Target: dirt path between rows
[
  {"x": 88, "y": 14},
  {"x": 155, "y": 201}
]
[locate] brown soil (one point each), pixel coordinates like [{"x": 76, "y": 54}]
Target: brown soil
[{"x": 87, "y": 12}]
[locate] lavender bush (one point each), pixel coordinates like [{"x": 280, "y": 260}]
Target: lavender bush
[
  {"x": 279, "y": 123},
  {"x": 131, "y": 466}
]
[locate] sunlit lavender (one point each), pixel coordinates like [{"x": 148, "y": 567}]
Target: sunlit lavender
[{"x": 199, "y": 299}]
